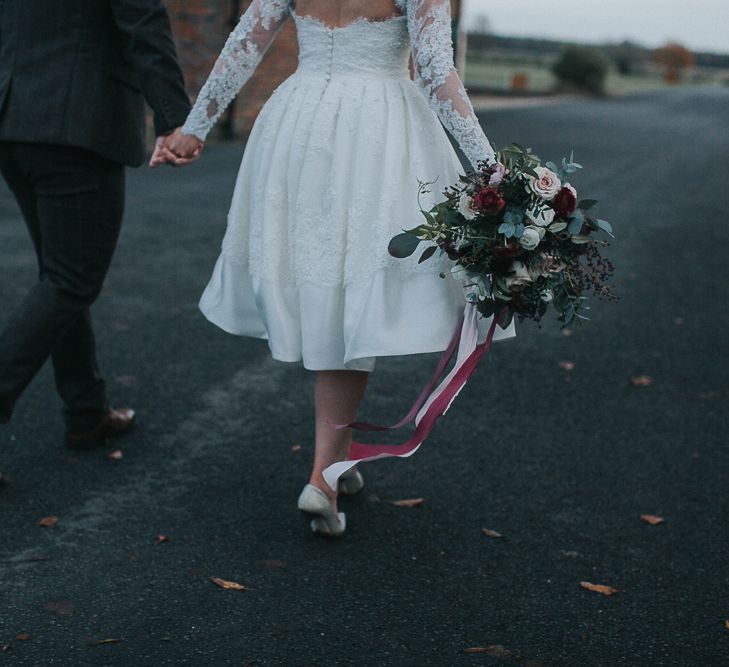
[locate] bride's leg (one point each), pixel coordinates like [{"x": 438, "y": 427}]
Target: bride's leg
[{"x": 337, "y": 396}]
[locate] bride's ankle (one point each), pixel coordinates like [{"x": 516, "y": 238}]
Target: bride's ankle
[{"x": 320, "y": 483}]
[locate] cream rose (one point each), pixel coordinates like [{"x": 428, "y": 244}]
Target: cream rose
[
  {"x": 542, "y": 216},
  {"x": 499, "y": 171},
  {"x": 547, "y": 185},
  {"x": 521, "y": 275},
  {"x": 465, "y": 206},
  {"x": 530, "y": 238}
]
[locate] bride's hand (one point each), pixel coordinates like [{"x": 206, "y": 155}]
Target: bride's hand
[
  {"x": 182, "y": 149},
  {"x": 176, "y": 149}
]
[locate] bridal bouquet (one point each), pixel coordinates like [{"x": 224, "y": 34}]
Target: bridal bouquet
[
  {"x": 521, "y": 241},
  {"x": 520, "y": 237}
]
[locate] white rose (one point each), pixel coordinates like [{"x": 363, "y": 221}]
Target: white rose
[
  {"x": 465, "y": 206},
  {"x": 521, "y": 275},
  {"x": 541, "y": 217},
  {"x": 530, "y": 238},
  {"x": 547, "y": 185}
]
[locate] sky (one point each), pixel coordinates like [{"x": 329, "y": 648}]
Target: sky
[{"x": 701, "y": 25}]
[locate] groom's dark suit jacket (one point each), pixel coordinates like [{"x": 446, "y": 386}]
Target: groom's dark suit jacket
[{"x": 77, "y": 72}]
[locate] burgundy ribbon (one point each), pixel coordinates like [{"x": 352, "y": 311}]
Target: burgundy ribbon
[
  {"x": 425, "y": 424},
  {"x": 442, "y": 363}
]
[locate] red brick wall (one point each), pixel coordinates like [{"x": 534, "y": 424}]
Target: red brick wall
[{"x": 201, "y": 27}]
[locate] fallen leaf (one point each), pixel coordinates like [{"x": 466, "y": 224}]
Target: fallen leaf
[
  {"x": 408, "y": 502},
  {"x": 726, "y": 624},
  {"x": 641, "y": 381},
  {"x": 491, "y": 533},
  {"x": 60, "y": 608},
  {"x": 108, "y": 640},
  {"x": 23, "y": 637},
  {"x": 116, "y": 455},
  {"x": 127, "y": 380},
  {"x": 296, "y": 448},
  {"x": 495, "y": 650},
  {"x": 4, "y": 648},
  {"x": 652, "y": 519},
  {"x": 162, "y": 538},
  {"x": 567, "y": 365},
  {"x": 599, "y": 588},
  {"x": 229, "y": 585},
  {"x": 48, "y": 521}
]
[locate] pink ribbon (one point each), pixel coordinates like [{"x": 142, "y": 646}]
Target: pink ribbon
[
  {"x": 442, "y": 363},
  {"x": 469, "y": 356}
]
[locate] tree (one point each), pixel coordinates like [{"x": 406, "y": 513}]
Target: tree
[
  {"x": 627, "y": 56},
  {"x": 583, "y": 68},
  {"x": 674, "y": 58},
  {"x": 482, "y": 25}
]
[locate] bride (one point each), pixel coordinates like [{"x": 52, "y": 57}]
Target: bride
[{"x": 330, "y": 173}]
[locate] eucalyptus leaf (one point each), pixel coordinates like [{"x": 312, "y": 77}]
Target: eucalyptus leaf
[
  {"x": 605, "y": 225},
  {"x": 580, "y": 239},
  {"x": 430, "y": 219},
  {"x": 504, "y": 318},
  {"x": 403, "y": 245},
  {"x": 557, "y": 227},
  {"x": 507, "y": 229},
  {"x": 427, "y": 253},
  {"x": 575, "y": 226}
]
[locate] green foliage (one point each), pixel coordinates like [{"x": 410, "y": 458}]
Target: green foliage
[{"x": 583, "y": 68}]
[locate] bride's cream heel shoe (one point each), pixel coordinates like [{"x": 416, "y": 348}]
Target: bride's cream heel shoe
[
  {"x": 351, "y": 482},
  {"x": 327, "y": 522}
]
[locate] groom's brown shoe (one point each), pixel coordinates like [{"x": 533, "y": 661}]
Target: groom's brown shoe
[{"x": 113, "y": 423}]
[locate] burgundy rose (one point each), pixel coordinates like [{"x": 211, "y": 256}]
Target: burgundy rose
[
  {"x": 489, "y": 200},
  {"x": 509, "y": 250},
  {"x": 564, "y": 202},
  {"x": 453, "y": 252}
]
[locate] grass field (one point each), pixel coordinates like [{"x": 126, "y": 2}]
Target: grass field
[{"x": 498, "y": 76}]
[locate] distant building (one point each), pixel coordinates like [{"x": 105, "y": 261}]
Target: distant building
[{"x": 201, "y": 27}]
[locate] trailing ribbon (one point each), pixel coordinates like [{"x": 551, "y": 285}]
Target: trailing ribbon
[{"x": 469, "y": 356}]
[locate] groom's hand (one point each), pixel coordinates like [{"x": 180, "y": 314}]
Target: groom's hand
[
  {"x": 176, "y": 149},
  {"x": 160, "y": 155}
]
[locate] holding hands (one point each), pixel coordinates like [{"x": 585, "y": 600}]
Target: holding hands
[{"x": 176, "y": 149}]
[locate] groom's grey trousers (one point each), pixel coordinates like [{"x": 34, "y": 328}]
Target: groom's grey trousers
[{"x": 72, "y": 201}]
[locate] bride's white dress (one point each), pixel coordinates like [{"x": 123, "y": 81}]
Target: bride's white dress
[{"x": 330, "y": 173}]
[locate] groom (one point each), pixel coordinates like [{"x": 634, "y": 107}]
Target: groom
[{"x": 74, "y": 75}]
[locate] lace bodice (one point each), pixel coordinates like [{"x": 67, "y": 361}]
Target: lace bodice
[{"x": 426, "y": 33}]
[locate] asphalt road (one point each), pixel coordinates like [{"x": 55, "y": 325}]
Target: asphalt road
[{"x": 561, "y": 462}]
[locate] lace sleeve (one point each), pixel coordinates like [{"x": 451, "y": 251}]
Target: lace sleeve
[
  {"x": 239, "y": 58},
  {"x": 429, "y": 25}
]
